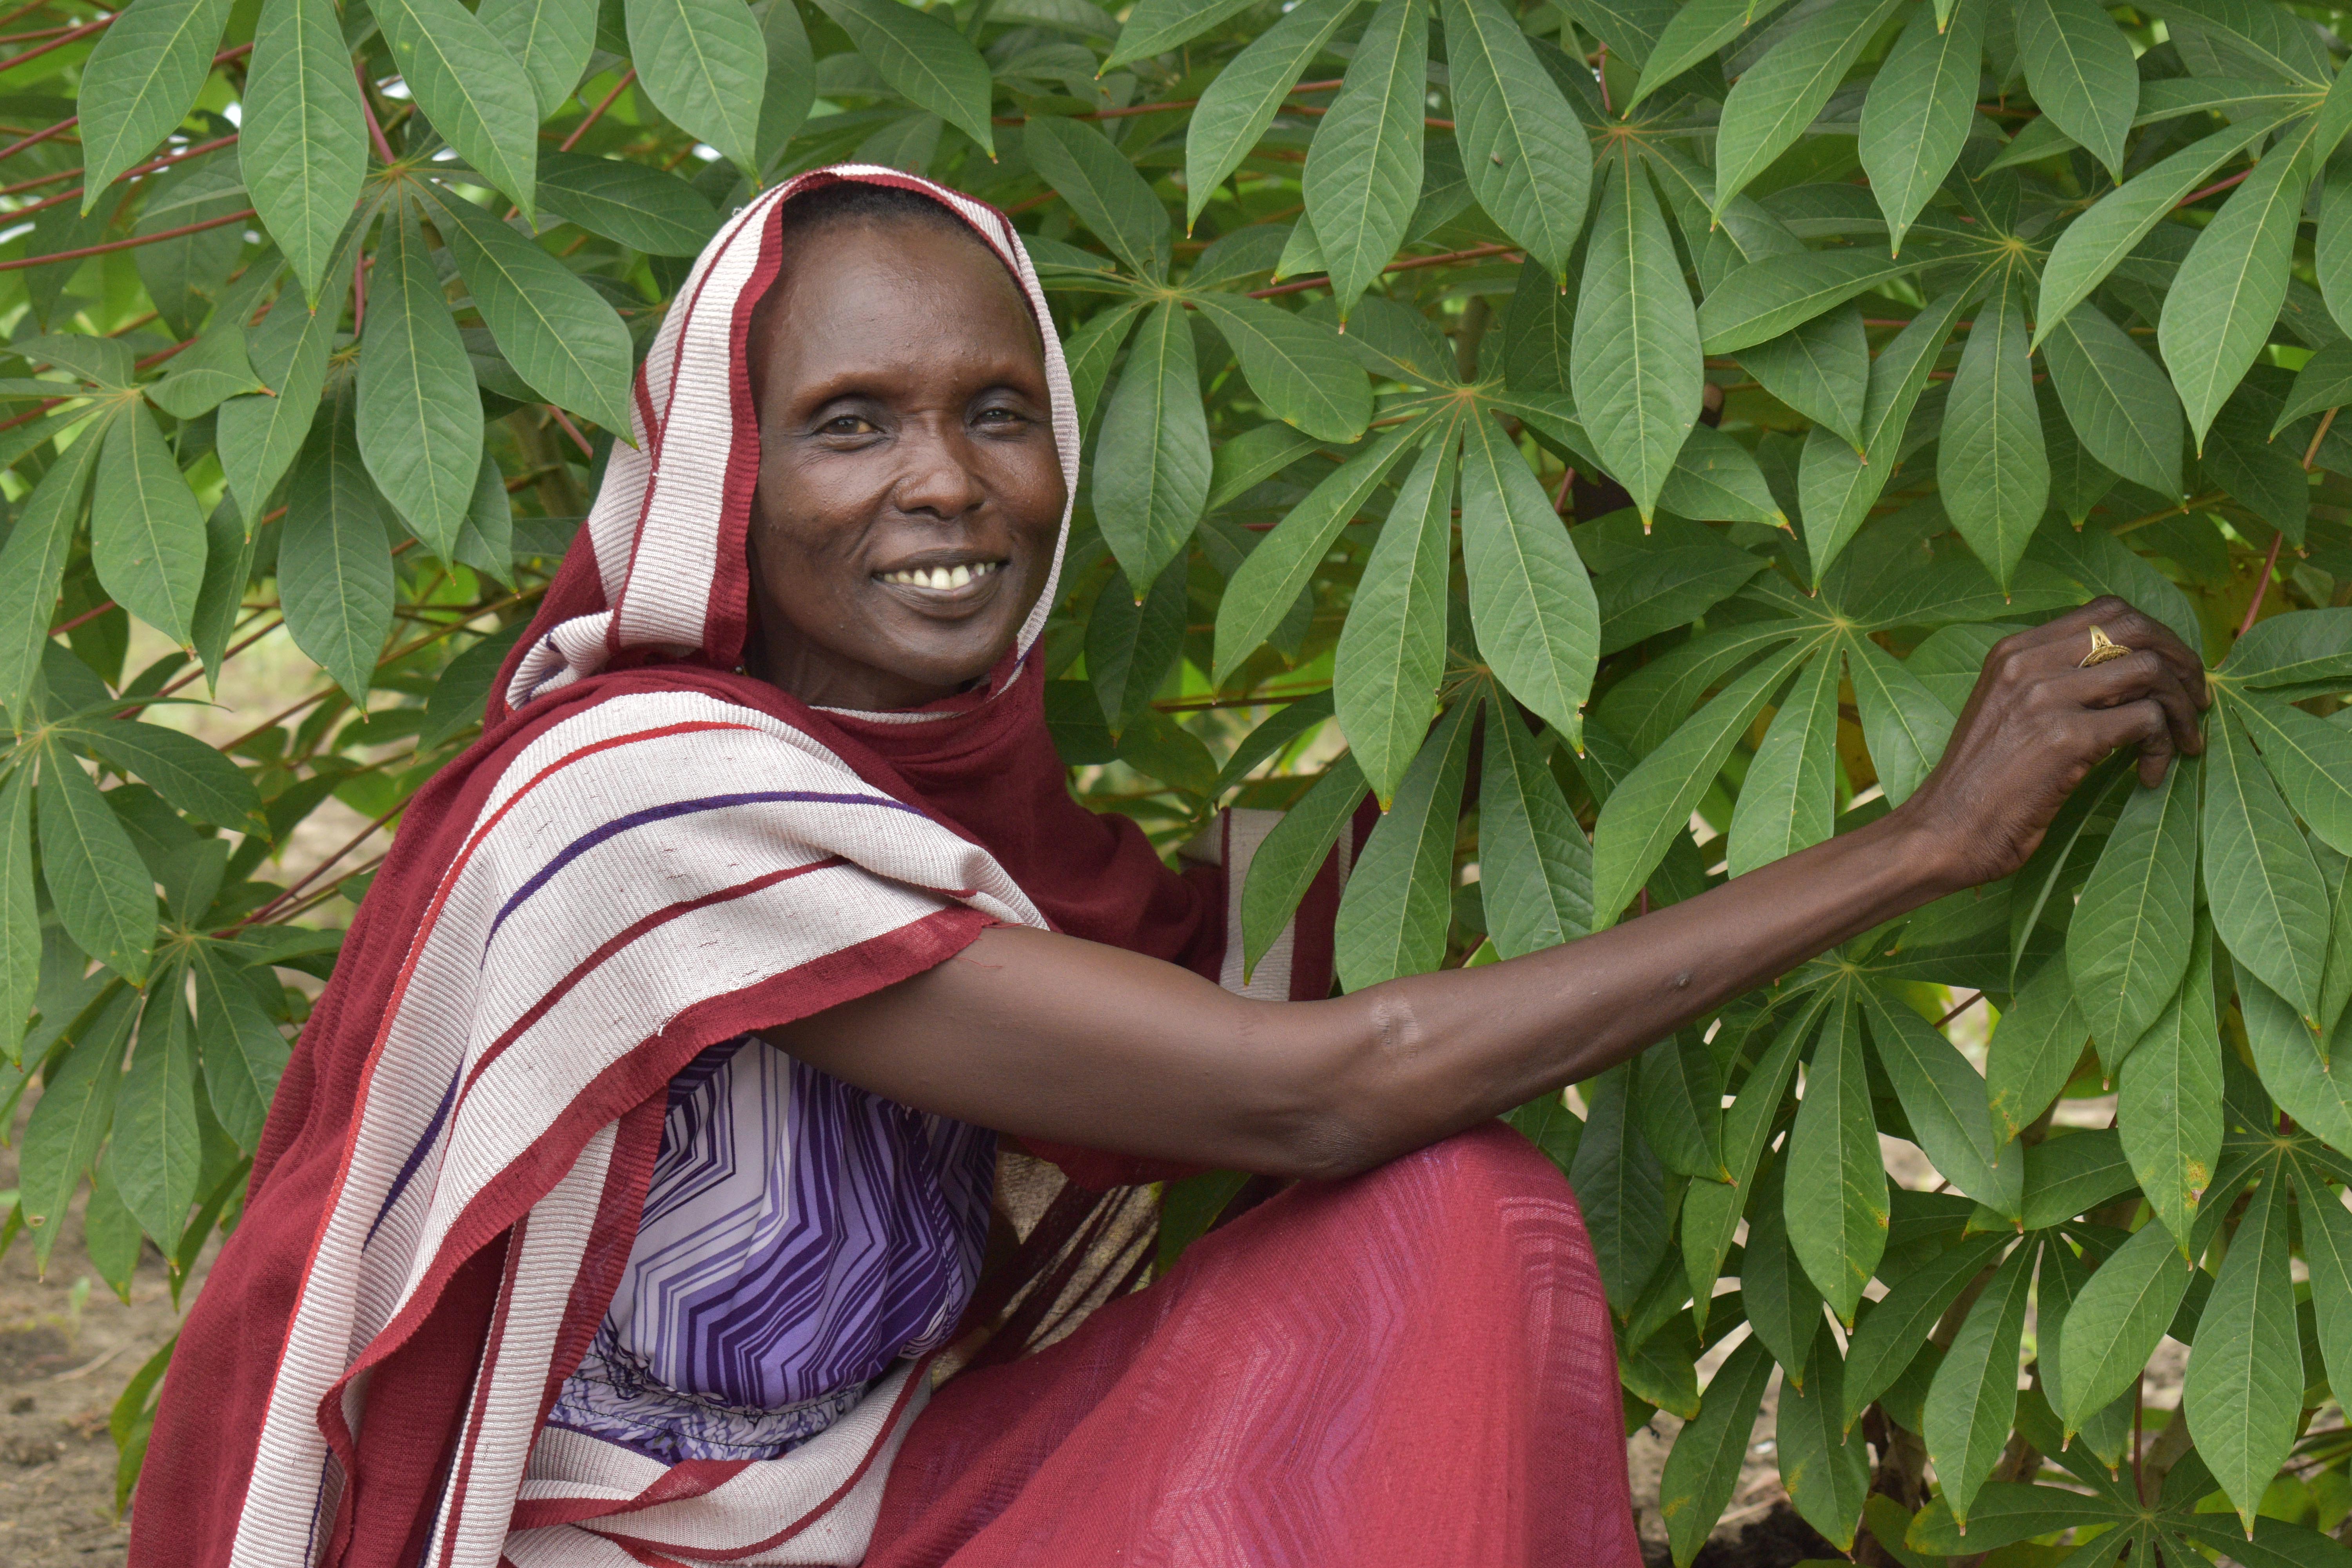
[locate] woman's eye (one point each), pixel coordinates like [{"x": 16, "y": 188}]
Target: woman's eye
[
  {"x": 846, "y": 425},
  {"x": 1001, "y": 418}
]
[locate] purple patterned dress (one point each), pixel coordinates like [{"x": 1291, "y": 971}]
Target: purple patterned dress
[{"x": 800, "y": 1236}]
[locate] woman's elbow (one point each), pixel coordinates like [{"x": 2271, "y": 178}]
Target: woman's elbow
[{"x": 1342, "y": 1108}]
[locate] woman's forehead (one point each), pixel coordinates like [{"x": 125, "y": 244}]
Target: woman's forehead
[{"x": 876, "y": 287}]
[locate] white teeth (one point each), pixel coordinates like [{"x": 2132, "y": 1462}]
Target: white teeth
[{"x": 942, "y": 578}]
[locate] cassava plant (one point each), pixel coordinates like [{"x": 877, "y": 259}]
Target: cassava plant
[{"x": 1653, "y": 413}]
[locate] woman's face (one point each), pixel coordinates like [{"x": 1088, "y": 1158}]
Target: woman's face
[{"x": 909, "y": 489}]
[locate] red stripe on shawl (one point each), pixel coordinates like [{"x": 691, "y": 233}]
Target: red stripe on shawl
[
  {"x": 725, "y": 617},
  {"x": 628, "y": 1175},
  {"x": 620, "y": 941},
  {"x": 463, "y": 1475},
  {"x": 734, "y": 1554}
]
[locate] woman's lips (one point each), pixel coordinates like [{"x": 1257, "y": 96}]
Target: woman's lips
[{"x": 955, "y": 586}]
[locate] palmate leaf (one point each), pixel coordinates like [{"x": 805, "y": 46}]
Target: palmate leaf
[
  {"x": 2310, "y": 759},
  {"x": 243, "y": 1053},
  {"x": 559, "y": 335},
  {"x": 1151, "y": 466},
  {"x": 1974, "y": 1395},
  {"x": 1917, "y": 116},
  {"x": 76, "y": 1107},
  {"x": 1947, "y": 1105},
  {"x": 1824, "y": 1466},
  {"x": 2120, "y": 405},
  {"x": 20, "y": 915},
  {"x": 473, "y": 91},
  {"x": 1788, "y": 800},
  {"x": 105, "y": 896},
  {"x": 2169, "y": 1097},
  {"x": 1694, "y": 32},
  {"x": 1522, "y": 146},
  {"x": 1103, "y": 188},
  {"x": 147, "y": 537},
  {"x": 1890, "y": 1338},
  {"x": 1779, "y": 97},
  {"x": 642, "y": 208},
  {"x": 1535, "y": 877},
  {"x": 1392, "y": 648},
  {"x": 1836, "y": 1194},
  {"x": 1393, "y": 912},
  {"x": 32, "y": 563},
  {"x": 302, "y": 147},
  {"x": 2081, "y": 72},
  {"x": 1903, "y": 724},
  {"x": 2327, "y": 1252},
  {"x": 1634, "y": 361},
  {"x": 2299, "y": 1077},
  {"x": 1711, "y": 1210},
  {"x": 2226, "y": 298},
  {"x": 705, "y": 66},
  {"x": 1705, "y": 1463},
  {"x": 1990, "y": 464},
  {"x": 2268, "y": 902},
  {"x": 2244, "y": 1392},
  {"x": 1623, "y": 1190},
  {"x": 551, "y": 38},
  {"x": 258, "y": 436},
  {"x": 2118, "y": 1319},
  {"x": 1236, "y": 107},
  {"x": 1531, "y": 603},
  {"x": 155, "y": 1153},
  {"x": 1653, "y": 804},
  {"x": 1300, "y": 368},
  {"x": 1678, "y": 1101},
  {"x": 1776, "y": 294},
  {"x": 923, "y": 60},
  {"x": 1363, "y": 169},
  {"x": 1132, "y": 645},
  {"x": 1821, "y": 369},
  {"x": 334, "y": 567},
  {"x": 2033, "y": 1051},
  {"x": 2128, "y": 943},
  {"x": 140, "y": 83},
  {"x": 420, "y": 419}
]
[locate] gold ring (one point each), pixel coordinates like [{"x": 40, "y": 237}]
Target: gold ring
[{"x": 2103, "y": 649}]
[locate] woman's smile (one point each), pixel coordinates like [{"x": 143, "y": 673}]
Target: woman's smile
[{"x": 957, "y": 582}]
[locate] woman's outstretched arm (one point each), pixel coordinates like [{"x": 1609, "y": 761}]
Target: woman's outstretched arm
[{"x": 1059, "y": 1038}]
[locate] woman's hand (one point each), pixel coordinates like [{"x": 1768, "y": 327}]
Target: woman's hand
[{"x": 2038, "y": 721}]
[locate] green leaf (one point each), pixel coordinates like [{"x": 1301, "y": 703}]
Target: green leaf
[
  {"x": 1285, "y": 725},
  {"x": 1363, "y": 168},
  {"x": 1973, "y": 1398},
  {"x": 1531, "y": 603},
  {"x": 2128, "y": 943},
  {"x": 1821, "y": 369},
  {"x": 1903, "y": 724},
  {"x": 301, "y": 144},
  {"x": 2116, "y": 1321},
  {"x": 923, "y": 60},
  {"x": 1945, "y": 1103},
  {"x": 1236, "y": 107},
  {"x": 2325, "y": 382},
  {"x": 1678, "y": 1102},
  {"x": 258, "y": 436},
  {"x": 147, "y": 537},
  {"x": 1132, "y": 646},
  {"x": 2103, "y": 564},
  {"x": 2169, "y": 1099},
  {"x": 2091, "y": 247},
  {"x": 1400, "y": 895},
  {"x": 1621, "y": 1188},
  {"x": 1089, "y": 355},
  {"x": 334, "y": 568},
  {"x": 2311, "y": 760},
  {"x": 104, "y": 895},
  {"x": 2226, "y": 298},
  {"x": 560, "y": 335},
  {"x": 192, "y": 776},
  {"x": 2081, "y": 72},
  {"x": 630, "y": 203},
  {"x": 1712, "y": 1211},
  {"x": 705, "y": 65},
  {"x": 1634, "y": 360},
  {"x": 2120, "y": 405},
  {"x": 2297, "y": 1074},
  {"x": 2327, "y": 1251},
  {"x": 1837, "y": 1204},
  {"x": 1392, "y": 648},
  {"x": 140, "y": 80},
  {"x": 420, "y": 418},
  {"x": 2292, "y": 650},
  {"x": 1991, "y": 465},
  {"x": 1897, "y": 1326},
  {"x": 32, "y": 565},
  {"x": 1272, "y": 576},
  {"x": 1152, "y": 464},
  {"x": 1825, "y": 1468},
  {"x": 244, "y": 1055},
  {"x": 1694, "y": 32},
  {"x": 551, "y": 39},
  {"x": 1156, "y": 26},
  {"x": 1778, "y": 96},
  {"x": 1103, "y": 188},
  {"x": 1299, "y": 368},
  {"x": 2268, "y": 901},
  {"x": 472, "y": 89},
  {"x": 1836, "y": 486},
  {"x": 1668, "y": 587},
  {"x": 1783, "y": 1305},
  {"x": 1705, "y": 1463},
  {"x": 20, "y": 915},
  {"x": 2006, "y": 1512},
  {"x": 1919, "y": 112},
  {"x": 68, "y": 1125},
  {"x": 1717, "y": 479},
  {"x": 1788, "y": 800},
  {"x": 1653, "y": 805},
  {"x": 154, "y": 1151},
  {"x": 1780, "y": 294},
  {"x": 2272, "y": 40},
  {"x": 215, "y": 369},
  {"x": 2034, "y": 1050},
  {"x": 2243, "y": 1393},
  {"x": 1523, "y": 148},
  {"x": 1293, "y": 853}
]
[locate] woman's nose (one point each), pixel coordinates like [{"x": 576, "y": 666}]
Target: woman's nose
[{"x": 937, "y": 477}]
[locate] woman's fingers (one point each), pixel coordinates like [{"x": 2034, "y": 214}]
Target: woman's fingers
[
  {"x": 2142, "y": 725},
  {"x": 2142, "y": 674}
]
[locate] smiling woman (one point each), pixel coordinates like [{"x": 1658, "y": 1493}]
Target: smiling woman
[{"x": 638, "y": 1160}]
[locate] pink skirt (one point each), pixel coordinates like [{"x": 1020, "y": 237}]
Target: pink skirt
[{"x": 1411, "y": 1367}]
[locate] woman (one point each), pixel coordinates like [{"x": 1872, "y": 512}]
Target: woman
[{"x": 630, "y": 1169}]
